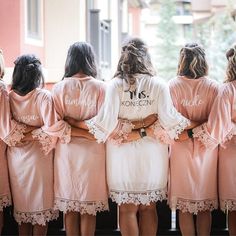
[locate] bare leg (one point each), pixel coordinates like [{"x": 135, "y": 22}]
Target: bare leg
[
  {"x": 128, "y": 219},
  {"x": 148, "y": 220},
  {"x": 72, "y": 223},
  {"x": 87, "y": 224},
  {"x": 1, "y": 222},
  {"x": 186, "y": 223},
  {"x": 232, "y": 223},
  {"x": 204, "y": 223},
  {"x": 40, "y": 230},
  {"x": 25, "y": 229}
]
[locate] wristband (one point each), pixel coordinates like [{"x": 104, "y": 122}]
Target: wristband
[
  {"x": 142, "y": 132},
  {"x": 190, "y": 133}
]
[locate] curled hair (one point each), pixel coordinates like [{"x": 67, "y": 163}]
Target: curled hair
[
  {"x": 80, "y": 58},
  {"x": 231, "y": 67},
  {"x": 27, "y": 74},
  {"x": 134, "y": 59},
  {"x": 2, "y": 65},
  {"x": 192, "y": 61}
]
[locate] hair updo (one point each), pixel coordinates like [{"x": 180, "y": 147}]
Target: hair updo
[
  {"x": 192, "y": 61},
  {"x": 27, "y": 74}
]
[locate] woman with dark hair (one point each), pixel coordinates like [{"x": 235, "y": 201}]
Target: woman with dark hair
[
  {"x": 80, "y": 179},
  {"x": 30, "y": 168},
  {"x": 193, "y": 168},
  {"x": 11, "y": 133},
  {"x": 137, "y": 171},
  {"x": 220, "y": 128}
]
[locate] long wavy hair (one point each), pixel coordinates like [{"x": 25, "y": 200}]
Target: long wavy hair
[
  {"x": 134, "y": 59},
  {"x": 80, "y": 58},
  {"x": 231, "y": 67},
  {"x": 2, "y": 65},
  {"x": 27, "y": 74},
  {"x": 192, "y": 61}
]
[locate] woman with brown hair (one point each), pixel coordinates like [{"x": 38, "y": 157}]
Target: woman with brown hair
[
  {"x": 137, "y": 171},
  {"x": 220, "y": 128},
  {"x": 193, "y": 168}
]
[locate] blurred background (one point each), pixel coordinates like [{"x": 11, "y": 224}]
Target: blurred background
[{"x": 48, "y": 27}]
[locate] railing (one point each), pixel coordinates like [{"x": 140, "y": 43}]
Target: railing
[{"x": 107, "y": 222}]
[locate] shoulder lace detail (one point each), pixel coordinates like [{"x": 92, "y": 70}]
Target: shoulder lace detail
[
  {"x": 99, "y": 133},
  {"x": 46, "y": 140},
  {"x": 5, "y": 201},
  {"x": 178, "y": 129},
  {"x": 192, "y": 206},
  {"x": 228, "y": 204},
  {"x": 161, "y": 133},
  {"x": 121, "y": 132},
  {"x": 66, "y": 137},
  {"x": 203, "y": 136},
  {"x": 90, "y": 208},
  {"x": 39, "y": 217},
  {"x": 16, "y": 135},
  {"x": 145, "y": 198}
]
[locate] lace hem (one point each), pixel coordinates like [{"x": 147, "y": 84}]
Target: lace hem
[
  {"x": 121, "y": 132},
  {"x": 178, "y": 129},
  {"x": 144, "y": 198},
  {"x": 160, "y": 133},
  {"x": 4, "y": 201},
  {"x": 66, "y": 137},
  {"x": 45, "y": 140},
  {"x": 16, "y": 135},
  {"x": 228, "y": 204},
  {"x": 40, "y": 217},
  {"x": 193, "y": 206},
  {"x": 203, "y": 136},
  {"x": 99, "y": 133},
  {"x": 90, "y": 208}
]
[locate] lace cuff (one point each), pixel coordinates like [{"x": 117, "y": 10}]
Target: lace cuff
[
  {"x": 228, "y": 204},
  {"x": 144, "y": 198},
  {"x": 16, "y": 135},
  {"x": 160, "y": 133},
  {"x": 66, "y": 137},
  {"x": 39, "y": 217},
  {"x": 178, "y": 129},
  {"x": 99, "y": 133},
  {"x": 203, "y": 136},
  {"x": 48, "y": 142},
  {"x": 90, "y": 208},
  {"x": 193, "y": 206},
  {"x": 4, "y": 201},
  {"x": 121, "y": 132}
]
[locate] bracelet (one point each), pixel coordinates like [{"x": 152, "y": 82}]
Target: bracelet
[
  {"x": 142, "y": 132},
  {"x": 190, "y": 133},
  {"x": 143, "y": 123}
]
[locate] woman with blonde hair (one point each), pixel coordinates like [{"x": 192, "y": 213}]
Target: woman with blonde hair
[
  {"x": 11, "y": 133},
  {"x": 137, "y": 171},
  {"x": 193, "y": 168}
]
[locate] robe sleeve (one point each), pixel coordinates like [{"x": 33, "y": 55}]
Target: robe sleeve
[
  {"x": 106, "y": 123},
  {"x": 11, "y": 131},
  {"x": 53, "y": 128},
  {"x": 170, "y": 119},
  {"x": 219, "y": 126}
]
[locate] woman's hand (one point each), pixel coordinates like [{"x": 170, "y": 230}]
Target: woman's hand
[
  {"x": 146, "y": 122},
  {"x": 183, "y": 136},
  {"x": 76, "y": 123},
  {"x": 77, "y": 132}
]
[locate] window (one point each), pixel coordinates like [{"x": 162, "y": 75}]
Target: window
[{"x": 33, "y": 13}]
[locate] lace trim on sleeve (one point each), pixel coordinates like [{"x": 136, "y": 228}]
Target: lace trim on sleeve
[
  {"x": 66, "y": 137},
  {"x": 203, "y": 136},
  {"x": 5, "y": 201},
  {"x": 161, "y": 134},
  {"x": 99, "y": 133},
  {"x": 16, "y": 135},
  {"x": 47, "y": 142},
  {"x": 178, "y": 129},
  {"x": 121, "y": 132},
  {"x": 228, "y": 204}
]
